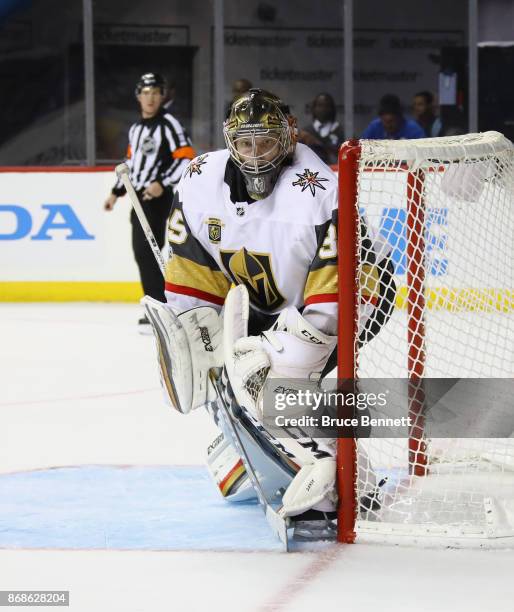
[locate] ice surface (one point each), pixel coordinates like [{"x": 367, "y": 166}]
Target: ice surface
[{"x": 91, "y": 458}]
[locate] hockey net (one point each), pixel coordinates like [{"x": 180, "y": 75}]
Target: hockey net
[{"x": 444, "y": 207}]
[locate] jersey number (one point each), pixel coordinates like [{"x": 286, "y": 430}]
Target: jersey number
[
  {"x": 329, "y": 247},
  {"x": 177, "y": 232}
]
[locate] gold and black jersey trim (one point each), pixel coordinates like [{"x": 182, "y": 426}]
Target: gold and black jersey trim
[
  {"x": 324, "y": 256},
  {"x": 191, "y": 270},
  {"x": 190, "y": 278},
  {"x": 186, "y": 245},
  {"x": 321, "y": 284}
]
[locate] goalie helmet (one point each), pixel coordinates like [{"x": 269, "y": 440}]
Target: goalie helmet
[
  {"x": 151, "y": 79},
  {"x": 260, "y": 134}
]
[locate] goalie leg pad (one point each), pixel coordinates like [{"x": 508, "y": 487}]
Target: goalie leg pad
[
  {"x": 291, "y": 348},
  {"x": 227, "y": 470},
  {"x": 246, "y": 367},
  {"x": 188, "y": 345},
  {"x": 312, "y": 487}
]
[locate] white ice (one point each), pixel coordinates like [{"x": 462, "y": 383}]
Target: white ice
[{"x": 79, "y": 387}]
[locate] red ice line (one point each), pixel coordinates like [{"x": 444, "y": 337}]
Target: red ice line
[{"x": 287, "y": 593}]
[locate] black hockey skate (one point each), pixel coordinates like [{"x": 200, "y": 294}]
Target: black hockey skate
[
  {"x": 144, "y": 326},
  {"x": 314, "y": 525}
]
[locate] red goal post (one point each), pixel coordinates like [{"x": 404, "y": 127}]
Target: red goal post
[{"x": 441, "y": 197}]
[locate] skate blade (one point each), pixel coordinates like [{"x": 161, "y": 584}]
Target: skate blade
[{"x": 310, "y": 531}]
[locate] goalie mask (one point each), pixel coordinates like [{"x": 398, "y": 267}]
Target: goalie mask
[{"x": 260, "y": 134}]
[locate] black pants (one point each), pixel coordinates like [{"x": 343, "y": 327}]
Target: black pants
[{"x": 157, "y": 212}]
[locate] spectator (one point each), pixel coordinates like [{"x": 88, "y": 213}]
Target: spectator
[
  {"x": 174, "y": 104},
  {"x": 170, "y": 98},
  {"x": 158, "y": 152},
  {"x": 391, "y": 122},
  {"x": 239, "y": 87},
  {"x": 324, "y": 135},
  {"x": 423, "y": 113}
]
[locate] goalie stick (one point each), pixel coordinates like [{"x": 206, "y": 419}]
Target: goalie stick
[
  {"x": 122, "y": 172},
  {"x": 278, "y": 524}
]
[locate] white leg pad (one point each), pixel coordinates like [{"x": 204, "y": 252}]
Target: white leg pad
[
  {"x": 310, "y": 487},
  {"x": 188, "y": 346},
  {"x": 227, "y": 471}
]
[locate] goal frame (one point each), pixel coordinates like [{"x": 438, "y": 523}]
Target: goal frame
[
  {"x": 348, "y": 291},
  {"x": 474, "y": 171}
]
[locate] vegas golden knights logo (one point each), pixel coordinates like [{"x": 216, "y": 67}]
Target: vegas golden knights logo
[
  {"x": 214, "y": 229},
  {"x": 254, "y": 271}
]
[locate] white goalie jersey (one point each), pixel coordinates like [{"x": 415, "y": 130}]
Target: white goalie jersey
[{"x": 282, "y": 248}]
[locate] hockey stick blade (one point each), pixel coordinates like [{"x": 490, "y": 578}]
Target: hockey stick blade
[{"x": 278, "y": 524}]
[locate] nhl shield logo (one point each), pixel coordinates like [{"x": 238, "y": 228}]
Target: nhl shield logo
[
  {"x": 214, "y": 229},
  {"x": 148, "y": 146}
]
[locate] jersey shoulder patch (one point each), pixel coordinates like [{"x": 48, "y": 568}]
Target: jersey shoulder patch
[
  {"x": 310, "y": 179},
  {"x": 200, "y": 187},
  {"x": 309, "y": 174},
  {"x": 205, "y": 166},
  {"x": 195, "y": 166},
  {"x": 309, "y": 187}
]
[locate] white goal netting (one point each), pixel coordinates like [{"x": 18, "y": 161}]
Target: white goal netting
[{"x": 445, "y": 209}]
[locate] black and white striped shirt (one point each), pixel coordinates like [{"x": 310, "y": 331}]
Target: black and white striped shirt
[{"x": 158, "y": 150}]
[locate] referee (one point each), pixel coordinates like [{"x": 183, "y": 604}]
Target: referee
[{"x": 158, "y": 151}]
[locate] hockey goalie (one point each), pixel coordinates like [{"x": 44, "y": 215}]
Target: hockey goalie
[{"x": 251, "y": 288}]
